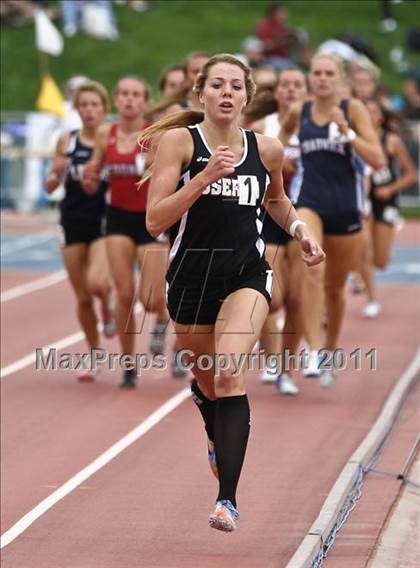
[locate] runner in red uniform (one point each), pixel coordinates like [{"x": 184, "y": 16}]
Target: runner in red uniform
[{"x": 128, "y": 241}]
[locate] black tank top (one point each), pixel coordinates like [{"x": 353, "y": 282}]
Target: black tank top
[
  {"x": 385, "y": 176},
  {"x": 76, "y": 203},
  {"x": 220, "y": 235}
]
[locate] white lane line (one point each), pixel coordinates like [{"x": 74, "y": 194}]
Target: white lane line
[
  {"x": 31, "y": 358},
  {"x": 29, "y": 287},
  {"x": 27, "y": 242},
  {"x": 140, "y": 430}
]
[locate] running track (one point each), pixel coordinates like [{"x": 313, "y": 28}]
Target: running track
[{"x": 148, "y": 507}]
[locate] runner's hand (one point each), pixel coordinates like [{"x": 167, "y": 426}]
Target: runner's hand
[
  {"x": 383, "y": 193},
  {"x": 221, "y": 164},
  {"x": 337, "y": 116},
  {"x": 312, "y": 252},
  {"x": 61, "y": 165},
  {"x": 91, "y": 178},
  {"x": 289, "y": 166}
]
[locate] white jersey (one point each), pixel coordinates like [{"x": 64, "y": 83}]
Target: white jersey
[
  {"x": 272, "y": 128},
  {"x": 272, "y": 125}
]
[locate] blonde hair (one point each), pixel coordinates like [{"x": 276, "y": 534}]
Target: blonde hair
[
  {"x": 332, "y": 57},
  {"x": 188, "y": 117},
  {"x": 93, "y": 87}
]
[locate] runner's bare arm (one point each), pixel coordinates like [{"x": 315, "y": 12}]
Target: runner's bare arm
[
  {"x": 279, "y": 206},
  {"x": 166, "y": 205},
  {"x": 92, "y": 171},
  {"x": 366, "y": 142},
  {"x": 59, "y": 165},
  {"x": 291, "y": 123}
]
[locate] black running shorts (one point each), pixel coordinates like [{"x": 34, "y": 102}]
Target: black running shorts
[
  {"x": 191, "y": 304},
  {"x": 131, "y": 224},
  {"x": 81, "y": 231},
  {"x": 384, "y": 212}
]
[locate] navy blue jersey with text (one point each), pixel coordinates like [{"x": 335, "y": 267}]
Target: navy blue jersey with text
[
  {"x": 331, "y": 180},
  {"x": 76, "y": 203}
]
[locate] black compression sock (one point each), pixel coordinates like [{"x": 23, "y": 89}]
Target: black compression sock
[
  {"x": 206, "y": 407},
  {"x": 231, "y": 431}
]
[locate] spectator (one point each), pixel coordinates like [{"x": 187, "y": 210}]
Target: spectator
[
  {"x": 18, "y": 13},
  {"x": 281, "y": 43},
  {"x": 253, "y": 51},
  {"x": 95, "y": 17},
  {"x": 136, "y": 5},
  {"x": 387, "y": 22}
]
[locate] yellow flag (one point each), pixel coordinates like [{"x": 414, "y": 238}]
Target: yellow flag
[{"x": 50, "y": 98}]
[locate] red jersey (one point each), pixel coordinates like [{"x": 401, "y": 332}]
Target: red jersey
[
  {"x": 271, "y": 30},
  {"x": 124, "y": 172}
]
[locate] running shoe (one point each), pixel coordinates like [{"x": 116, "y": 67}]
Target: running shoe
[
  {"x": 212, "y": 458},
  {"x": 129, "y": 379},
  {"x": 88, "y": 376},
  {"x": 327, "y": 378},
  {"x": 268, "y": 376},
  {"x": 357, "y": 286},
  {"x": 224, "y": 517},
  {"x": 286, "y": 385},
  {"x": 178, "y": 371},
  {"x": 372, "y": 309},
  {"x": 109, "y": 322},
  {"x": 312, "y": 367},
  {"x": 157, "y": 342}
]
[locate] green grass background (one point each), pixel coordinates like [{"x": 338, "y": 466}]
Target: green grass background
[{"x": 171, "y": 29}]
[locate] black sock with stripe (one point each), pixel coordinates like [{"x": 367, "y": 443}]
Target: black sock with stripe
[
  {"x": 206, "y": 407},
  {"x": 231, "y": 432}
]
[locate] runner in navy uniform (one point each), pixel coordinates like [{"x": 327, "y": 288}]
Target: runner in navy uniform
[
  {"x": 82, "y": 217},
  {"x": 386, "y": 184},
  {"x": 329, "y": 199},
  {"x": 208, "y": 185}
]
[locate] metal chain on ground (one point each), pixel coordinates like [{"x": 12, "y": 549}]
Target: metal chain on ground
[
  {"x": 347, "y": 508},
  {"x": 356, "y": 490}
]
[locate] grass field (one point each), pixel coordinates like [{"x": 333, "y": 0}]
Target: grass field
[{"x": 170, "y": 29}]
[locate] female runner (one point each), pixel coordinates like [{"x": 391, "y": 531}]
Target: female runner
[
  {"x": 82, "y": 217},
  {"x": 386, "y": 184},
  {"x": 128, "y": 241},
  {"x": 209, "y": 181},
  {"x": 291, "y": 88},
  {"x": 331, "y": 131}
]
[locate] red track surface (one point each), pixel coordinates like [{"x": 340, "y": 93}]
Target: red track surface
[{"x": 149, "y": 507}]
